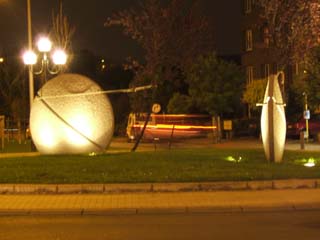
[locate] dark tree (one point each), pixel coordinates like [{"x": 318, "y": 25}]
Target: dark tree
[
  {"x": 13, "y": 89},
  {"x": 85, "y": 62},
  {"x": 293, "y": 27},
  {"x": 308, "y": 82},
  {"x": 216, "y": 86},
  {"x": 172, "y": 35},
  {"x": 62, "y": 32}
]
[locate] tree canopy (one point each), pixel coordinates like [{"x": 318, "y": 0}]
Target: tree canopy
[
  {"x": 308, "y": 82},
  {"x": 12, "y": 89},
  {"x": 254, "y": 93},
  {"x": 216, "y": 86},
  {"x": 62, "y": 32},
  {"x": 293, "y": 27},
  {"x": 313, "y": 79},
  {"x": 172, "y": 35}
]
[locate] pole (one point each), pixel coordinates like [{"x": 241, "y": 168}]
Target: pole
[
  {"x": 31, "y": 82},
  {"x": 31, "y": 85},
  {"x": 307, "y": 121},
  {"x": 271, "y": 119}
]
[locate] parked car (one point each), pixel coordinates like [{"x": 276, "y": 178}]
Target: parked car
[{"x": 294, "y": 128}]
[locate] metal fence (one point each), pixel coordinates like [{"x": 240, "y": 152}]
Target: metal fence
[{"x": 14, "y": 130}]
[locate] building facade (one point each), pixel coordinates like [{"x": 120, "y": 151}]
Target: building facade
[{"x": 258, "y": 56}]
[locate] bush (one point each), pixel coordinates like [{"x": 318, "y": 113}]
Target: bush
[{"x": 246, "y": 127}]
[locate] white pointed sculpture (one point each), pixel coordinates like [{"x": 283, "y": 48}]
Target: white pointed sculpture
[{"x": 273, "y": 120}]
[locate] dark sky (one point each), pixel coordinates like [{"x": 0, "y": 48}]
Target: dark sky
[{"x": 88, "y": 17}]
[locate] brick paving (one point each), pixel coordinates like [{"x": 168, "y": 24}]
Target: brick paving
[{"x": 184, "y": 201}]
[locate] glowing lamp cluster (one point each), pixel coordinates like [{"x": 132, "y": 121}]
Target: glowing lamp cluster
[
  {"x": 59, "y": 57},
  {"x": 70, "y": 116}
]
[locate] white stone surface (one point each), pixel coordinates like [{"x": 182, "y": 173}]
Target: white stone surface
[
  {"x": 273, "y": 121},
  {"x": 68, "y": 118}
]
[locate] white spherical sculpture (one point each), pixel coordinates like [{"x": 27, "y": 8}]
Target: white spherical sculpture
[{"x": 70, "y": 116}]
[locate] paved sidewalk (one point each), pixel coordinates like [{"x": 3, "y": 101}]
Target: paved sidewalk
[{"x": 183, "y": 202}]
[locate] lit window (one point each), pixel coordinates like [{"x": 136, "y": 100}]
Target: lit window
[
  {"x": 266, "y": 36},
  {"x": 249, "y": 74},
  {"x": 249, "y": 40},
  {"x": 247, "y": 6}
]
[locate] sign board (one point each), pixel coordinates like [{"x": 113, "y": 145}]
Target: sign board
[
  {"x": 306, "y": 114},
  {"x": 2, "y": 131},
  {"x": 156, "y": 108},
  {"x": 227, "y": 125}
]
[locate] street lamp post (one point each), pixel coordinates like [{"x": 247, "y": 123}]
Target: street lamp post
[
  {"x": 30, "y": 58},
  {"x": 31, "y": 82},
  {"x": 59, "y": 58},
  {"x": 306, "y": 114}
]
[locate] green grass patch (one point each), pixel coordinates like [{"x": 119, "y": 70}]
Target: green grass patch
[{"x": 180, "y": 165}]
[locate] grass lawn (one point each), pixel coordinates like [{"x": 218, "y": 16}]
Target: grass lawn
[{"x": 177, "y": 165}]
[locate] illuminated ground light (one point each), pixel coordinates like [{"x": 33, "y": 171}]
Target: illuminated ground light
[
  {"x": 69, "y": 116},
  {"x": 310, "y": 162},
  {"x": 233, "y": 159}
]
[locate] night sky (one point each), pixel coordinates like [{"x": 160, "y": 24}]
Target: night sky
[{"x": 89, "y": 16}]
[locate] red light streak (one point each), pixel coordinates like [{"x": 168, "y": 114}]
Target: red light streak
[{"x": 171, "y": 126}]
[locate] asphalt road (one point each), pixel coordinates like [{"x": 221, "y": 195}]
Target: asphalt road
[{"x": 274, "y": 225}]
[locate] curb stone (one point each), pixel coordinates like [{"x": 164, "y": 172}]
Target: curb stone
[
  {"x": 216, "y": 186},
  {"x": 260, "y": 185},
  {"x": 136, "y": 187},
  {"x": 295, "y": 184},
  {"x": 55, "y": 212},
  {"x": 79, "y": 188},
  {"x": 214, "y": 210},
  {"x": 146, "y": 211},
  {"x": 283, "y": 208},
  {"x": 158, "y": 187},
  {"x": 117, "y": 211}
]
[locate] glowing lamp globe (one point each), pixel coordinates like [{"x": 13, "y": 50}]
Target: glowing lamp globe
[{"x": 69, "y": 115}]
